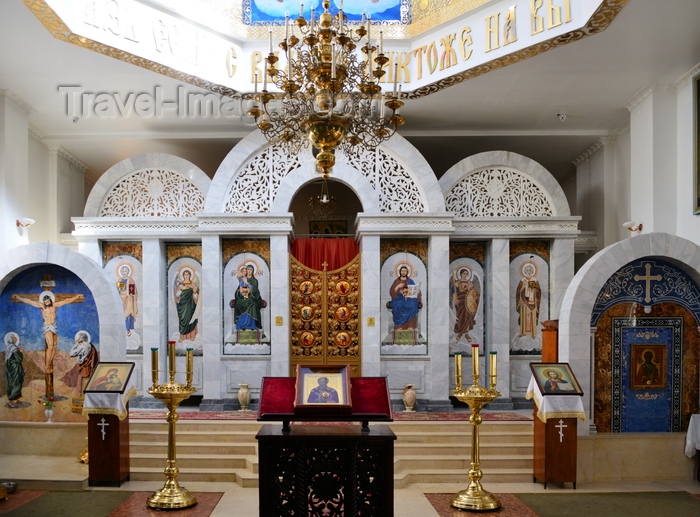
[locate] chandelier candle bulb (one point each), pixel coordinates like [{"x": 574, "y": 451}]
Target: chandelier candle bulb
[
  {"x": 475, "y": 362},
  {"x": 301, "y": 10},
  {"x": 381, "y": 42},
  {"x": 458, "y": 370},
  {"x": 396, "y": 77},
  {"x": 333, "y": 56},
  {"x": 269, "y": 31},
  {"x": 154, "y": 366}
]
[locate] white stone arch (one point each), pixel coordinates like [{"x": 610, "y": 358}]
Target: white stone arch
[
  {"x": 575, "y": 345},
  {"x": 529, "y": 168},
  {"x": 255, "y": 144},
  {"x": 107, "y": 301},
  {"x": 194, "y": 184}
]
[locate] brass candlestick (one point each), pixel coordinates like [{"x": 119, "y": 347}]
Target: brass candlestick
[
  {"x": 474, "y": 497},
  {"x": 172, "y": 496}
]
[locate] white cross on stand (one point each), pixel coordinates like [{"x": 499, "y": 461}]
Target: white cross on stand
[
  {"x": 102, "y": 424},
  {"x": 561, "y": 427}
]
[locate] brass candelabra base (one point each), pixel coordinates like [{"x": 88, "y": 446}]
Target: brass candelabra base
[
  {"x": 172, "y": 496},
  {"x": 474, "y": 497}
]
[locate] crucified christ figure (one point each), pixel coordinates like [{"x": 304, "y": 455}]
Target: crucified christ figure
[{"x": 48, "y": 304}]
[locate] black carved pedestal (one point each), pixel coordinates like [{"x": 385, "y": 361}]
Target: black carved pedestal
[{"x": 326, "y": 470}]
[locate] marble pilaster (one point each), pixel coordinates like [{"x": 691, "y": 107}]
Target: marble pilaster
[
  {"x": 279, "y": 305},
  {"x": 438, "y": 330},
  {"x": 371, "y": 298},
  {"x": 154, "y": 309},
  {"x": 561, "y": 272},
  {"x": 498, "y": 310},
  {"x": 211, "y": 318}
]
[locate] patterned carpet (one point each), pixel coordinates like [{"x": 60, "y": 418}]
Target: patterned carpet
[
  {"x": 577, "y": 504},
  {"x": 148, "y": 414},
  {"x": 39, "y": 503}
]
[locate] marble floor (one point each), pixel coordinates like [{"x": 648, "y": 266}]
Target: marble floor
[{"x": 68, "y": 473}]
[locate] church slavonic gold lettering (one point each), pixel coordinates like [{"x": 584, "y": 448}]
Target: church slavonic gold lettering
[
  {"x": 449, "y": 56},
  {"x": 466, "y": 42},
  {"x": 110, "y": 16},
  {"x": 404, "y": 73},
  {"x": 509, "y": 34},
  {"x": 554, "y": 18},
  {"x": 536, "y": 21},
  {"x": 418, "y": 53},
  {"x": 431, "y": 56},
  {"x": 491, "y": 33}
]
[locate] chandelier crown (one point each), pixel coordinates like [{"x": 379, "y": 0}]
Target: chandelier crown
[{"x": 329, "y": 95}]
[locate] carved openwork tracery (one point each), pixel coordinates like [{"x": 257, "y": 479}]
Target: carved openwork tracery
[
  {"x": 153, "y": 192},
  {"x": 256, "y": 186},
  {"x": 498, "y": 192}
]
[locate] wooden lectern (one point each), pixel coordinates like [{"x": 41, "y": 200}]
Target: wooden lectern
[
  {"x": 108, "y": 447},
  {"x": 106, "y": 406},
  {"x": 338, "y": 468},
  {"x": 557, "y": 410}
]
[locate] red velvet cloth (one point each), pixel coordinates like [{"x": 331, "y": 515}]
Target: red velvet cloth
[
  {"x": 369, "y": 396},
  {"x": 335, "y": 252}
]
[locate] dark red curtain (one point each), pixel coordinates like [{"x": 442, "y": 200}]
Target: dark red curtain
[{"x": 335, "y": 252}]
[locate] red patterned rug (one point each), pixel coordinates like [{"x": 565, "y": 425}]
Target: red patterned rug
[{"x": 421, "y": 416}]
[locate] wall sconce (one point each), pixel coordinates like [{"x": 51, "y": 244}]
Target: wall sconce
[
  {"x": 633, "y": 226},
  {"x": 25, "y": 222}
]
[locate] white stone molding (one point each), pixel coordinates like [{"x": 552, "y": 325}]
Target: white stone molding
[
  {"x": 130, "y": 228},
  {"x": 110, "y": 311},
  {"x": 413, "y": 225},
  {"x": 72, "y": 159},
  {"x": 504, "y": 227},
  {"x": 246, "y": 224},
  {"x": 16, "y": 101},
  {"x": 257, "y": 177},
  {"x": 579, "y": 299},
  {"x": 687, "y": 77},
  {"x": 150, "y": 184},
  {"x": 586, "y": 242},
  {"x": 472, "y": 186}
]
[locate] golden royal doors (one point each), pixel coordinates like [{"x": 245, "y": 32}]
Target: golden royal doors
[{"x": 325, "y": 316}]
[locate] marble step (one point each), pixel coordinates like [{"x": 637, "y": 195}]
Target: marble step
[
  {"x": 487, "y": 462},
  {"x": 409, "y": 476},
  {"x": 158, "y": 461},
  {"x": 137, "y": 446},
  {"x": 242, "y": 477},
  {"x": 450, "y": 449},
  {"x": 196, "y": 436}
]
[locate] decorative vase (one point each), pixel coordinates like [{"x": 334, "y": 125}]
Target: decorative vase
[
  {"x": 49, "y": 414},
  {"x": 409, "y": 397},
  {"x": 244, "y": 397}
]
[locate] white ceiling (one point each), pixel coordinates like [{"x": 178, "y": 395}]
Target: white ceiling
[{"x": 514, "y": 108}]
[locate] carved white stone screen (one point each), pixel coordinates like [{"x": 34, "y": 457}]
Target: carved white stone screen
[
  {"x": 256, "y": 186},
  {"x": 398, "y": 191},
  {"x": 498, "y": 192},
  {"x": 153, "y": 192}
]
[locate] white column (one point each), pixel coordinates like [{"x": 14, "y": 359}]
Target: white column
[
  {"x": 653, "y": 160},
  {"x": 15, "y": 190},
  {"x": 561, "y": 272},
  {"x": 439, "y": 318},
  {"x": 279, "y": 305},
  {"x": 211, "y": 322},
  {"x": 371, "y": 302},
  {"x": 153, "y": 294},
  {"x": 498, "y": 310}
]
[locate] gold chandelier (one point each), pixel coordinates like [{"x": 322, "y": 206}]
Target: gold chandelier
[{"x": 327, "y": 94}]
